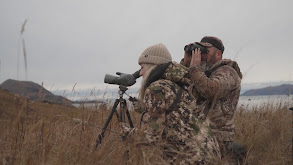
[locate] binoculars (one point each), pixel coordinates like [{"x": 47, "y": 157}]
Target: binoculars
[{"x": 189, "y": 48}]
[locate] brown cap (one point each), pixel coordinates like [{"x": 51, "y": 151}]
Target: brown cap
[{"x": 209, "y": 41}]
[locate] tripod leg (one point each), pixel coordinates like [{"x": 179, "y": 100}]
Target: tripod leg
[
  {"x": 101, "y": 135},
  {"x": 122, "y": 111},
  {"x": 117, "y": 115},
  {"x": 128, "y": 114}
]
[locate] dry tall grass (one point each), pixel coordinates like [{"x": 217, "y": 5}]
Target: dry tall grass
[
  {"x": 266, "y": 131},
  {"x": 42, "y": 133}
]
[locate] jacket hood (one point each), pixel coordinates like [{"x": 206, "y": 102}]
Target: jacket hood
[
  {"x": 172, "y": 71},
  {"x": 230, "y": 63}
]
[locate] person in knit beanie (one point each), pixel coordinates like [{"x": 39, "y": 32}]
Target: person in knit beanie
[
  {"x": 150, "y": 58},
  {"x": 170, "y": 130}
]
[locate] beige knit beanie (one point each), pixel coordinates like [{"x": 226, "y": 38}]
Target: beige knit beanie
[{"x": 156, "y": 54}]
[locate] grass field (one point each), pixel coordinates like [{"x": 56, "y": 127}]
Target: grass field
[{"x": 43, "y": 133}]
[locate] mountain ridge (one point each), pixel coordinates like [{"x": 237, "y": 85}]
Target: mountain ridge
[
  {"x": 33, "y": 90},
  {"x": 284, "y": 89}
]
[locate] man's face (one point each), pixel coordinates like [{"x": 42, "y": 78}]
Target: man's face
[{"x": 210, "y": 58}]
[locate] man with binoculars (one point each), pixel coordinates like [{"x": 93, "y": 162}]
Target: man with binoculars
[{"x": 216, "y": 85}]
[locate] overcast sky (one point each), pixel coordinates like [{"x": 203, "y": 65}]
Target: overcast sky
[{"x": 79, "y": 41}]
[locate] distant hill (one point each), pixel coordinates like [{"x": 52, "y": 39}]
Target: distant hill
[
  {"x": 32, "y": 90},
  {"x": 272, "y": 90},
  {"x": 247, "y": 86}
]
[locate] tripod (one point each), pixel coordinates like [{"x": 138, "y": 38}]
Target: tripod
[{"x": 121, "y": 118}]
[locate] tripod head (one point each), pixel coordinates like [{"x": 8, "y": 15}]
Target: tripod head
[{"x": 122, "y": 89}]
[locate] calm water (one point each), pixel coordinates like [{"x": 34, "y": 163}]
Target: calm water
[
  {"x": 244, "y": 101},
  {"x": 274, "y": 100}
]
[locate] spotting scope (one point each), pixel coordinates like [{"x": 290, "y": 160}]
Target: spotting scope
[{"x": 123, "y": 78}]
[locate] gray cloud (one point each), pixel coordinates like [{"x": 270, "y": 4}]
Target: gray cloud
[{"x": 78, "y": 41}]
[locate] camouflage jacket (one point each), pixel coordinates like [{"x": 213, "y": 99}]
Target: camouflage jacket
[
  {"x": 178, "y": 132},
  {"x": 218, "y": 94}
]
